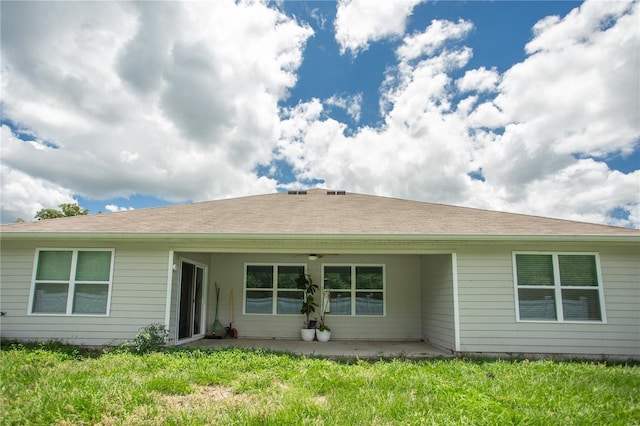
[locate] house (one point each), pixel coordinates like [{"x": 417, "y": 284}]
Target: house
[{"x": 463, "y": 279}]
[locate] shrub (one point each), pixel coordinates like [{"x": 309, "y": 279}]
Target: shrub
[{"x": 149, "y": 339}]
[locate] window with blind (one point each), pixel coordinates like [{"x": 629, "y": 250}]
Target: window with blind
[
  {"x": 354, "y": 289},
  {"x": 72, "y": 282},
  {"x": 272, "y": 289},
  {"x": 558, "y": 287}
]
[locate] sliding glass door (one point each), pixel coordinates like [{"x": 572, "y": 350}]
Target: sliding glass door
[{"x": 190, "y": 304}]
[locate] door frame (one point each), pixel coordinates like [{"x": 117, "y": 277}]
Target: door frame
[{"x": 203, "y": 302}]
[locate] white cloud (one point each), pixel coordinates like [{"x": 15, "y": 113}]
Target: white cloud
[
  {"x": 116, "y": 208},
  {"x": 192, "y": 115},
  {"x": 578, "y": 27},
  {"x": 576, "y": 95},
  {"x": 319, "y": 18},
  {"x": 414, "y": 88},
  {"x": 479, "y": 80},
  {"x": 129, "y": 157},
  {"x": 487, "y": 115},
  {"x": 433, "y": 38},
  {"x": 177, "y": 100},
  {"x": 23, "y": 195},
  {"x": 351, "y": 104},
  {"x": 555, "y": 194},
  {"x": 420, "y": 151},
  {"x": 359, "y": 22},
  {"x": 548, "y": 107}
]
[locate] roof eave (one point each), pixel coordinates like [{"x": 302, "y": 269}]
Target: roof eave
[{"x": 266, "y": 236}]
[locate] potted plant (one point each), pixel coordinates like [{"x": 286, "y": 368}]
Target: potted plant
[
  {"x": 304, "y": 282},
  {"x": 323, "y": 333}
]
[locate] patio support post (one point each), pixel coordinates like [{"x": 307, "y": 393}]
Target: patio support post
[{"x": 456, "y": 309}]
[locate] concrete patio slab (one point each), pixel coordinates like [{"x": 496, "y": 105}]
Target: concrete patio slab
[{"x": 342, "y": 349}]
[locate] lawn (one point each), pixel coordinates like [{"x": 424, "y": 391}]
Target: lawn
[{"x": 55, "y": 384}]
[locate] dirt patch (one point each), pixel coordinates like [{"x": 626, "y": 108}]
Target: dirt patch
[
  {"x": 320, "y": 400},
  {"x": 202, "y": 397},
  {"x": 207, "y": 404}
]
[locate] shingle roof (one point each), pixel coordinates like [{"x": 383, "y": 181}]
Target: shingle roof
[{"x": 317, "y": 213}]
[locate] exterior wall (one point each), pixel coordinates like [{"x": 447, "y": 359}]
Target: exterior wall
[
  {"x": 138, "y": 296},
  {"x": 402, "y": 298},
  {"x": 418, "y": 298},
  {"x": 437, "y": 300},
  {"x": 488, "y": 320}
]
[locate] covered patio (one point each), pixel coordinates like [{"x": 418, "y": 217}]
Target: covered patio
[{"x": 340, "y": 349}]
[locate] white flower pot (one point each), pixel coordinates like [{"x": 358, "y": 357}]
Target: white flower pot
[
  {"x": 323, "y": 336},
  {"x": 308, "y": 334}
]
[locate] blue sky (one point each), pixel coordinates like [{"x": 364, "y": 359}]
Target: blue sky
[{"x": 519, "y": 106}]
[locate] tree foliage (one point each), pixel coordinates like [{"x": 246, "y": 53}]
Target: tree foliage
[{"x": 63, "y": 210}]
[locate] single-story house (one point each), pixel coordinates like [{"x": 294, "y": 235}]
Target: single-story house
[{"x": 463, "y": 279}]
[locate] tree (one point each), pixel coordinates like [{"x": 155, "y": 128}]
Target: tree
[{"x": 65, "y": 210}]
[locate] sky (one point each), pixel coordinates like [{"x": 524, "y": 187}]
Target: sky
[{"x": 522, "y": 106}]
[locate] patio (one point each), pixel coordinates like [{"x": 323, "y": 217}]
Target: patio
[{"x": 340, "y": 349}]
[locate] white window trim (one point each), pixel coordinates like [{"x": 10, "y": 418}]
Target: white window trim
[
  {"x": 353, "y": 290},
  {"x": 72, "y": 282},
  {"x": 273, "y": 289},
  {"x": 558, "y": 288}
]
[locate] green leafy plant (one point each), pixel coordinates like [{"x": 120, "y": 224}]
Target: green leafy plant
[
  {"x": 323, "y": 326},
  {"x": 149, "y": 339},
  {"x": 304, "y": 282},
  {"x": 65, "y": 210}
]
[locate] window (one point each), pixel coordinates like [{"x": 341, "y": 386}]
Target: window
[
  {"x": 355, "y": 289},
  {"x": 272, "y": 289},
  {"x": 558, "y": 287},
  {"x": 72, "y": 282}
]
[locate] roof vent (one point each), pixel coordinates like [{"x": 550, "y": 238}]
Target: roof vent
[
  {"x": 297, "y": 192},
  {"x": 336, "y": 192}
]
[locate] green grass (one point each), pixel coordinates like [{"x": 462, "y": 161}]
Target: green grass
[{"x": 45, "y": 384}]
